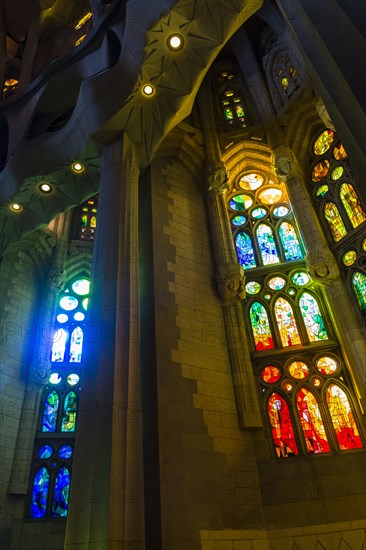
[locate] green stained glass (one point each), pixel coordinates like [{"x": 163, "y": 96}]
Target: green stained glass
[
  {"x": 337, "y": 173},
  {"x": 359, "y": 287},
  {"x": 228, "y": 113},
  {"x": 244, "y": 249},
  {"x": 267, "y": 245},
  {"x": 69, "y": 412},
  {"x": 238, "y": 220},
  {"x": 259, "y": 213},
  {"x": 50, "y": 409},
  {"x": 349, "y": 258},
  {"x": 281, "y": 211},
  {"x": 252, "y": 287},
  {"x": 335, "y": 221},
  {"x": 260, "y": 326},
  {"x": 241, "y": 202},
  {"x": 276, "y": 283},
  {"x": 320, "y": 170},
  {"x": 322, "y": 191},
  {"x": 84, "y": 220},
  {"x": 290, "y": 242},
  {"x": 267, "y": 296},
  {"x": 292, "y": 292},
  {"x": 313, "y": 319},
  {"x": 287, "y": 326},
  {"x": 239, "y": 111},
  {"x": 364, "y": 244},
  {"x": 323, "y": 142},
  {"x": 300, "y": 278},
  {"x": 352, "y": 204}
]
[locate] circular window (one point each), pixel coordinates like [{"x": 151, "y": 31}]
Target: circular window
[
  {"x": 258, "y": 213},
  {"x": 287, "y": 386},
  {"x": 241, "y": 202},
  {"x": 81, "y": 287},
  {"x": 276, "y": 283},
  {"x": 349, "y": 258},
  {"x": 251, "y": 181},
  {"x": 271, "y": 195},
  {"x": 298, "y": 370},
  {"x": 271, "y": 374},
  {"x": 45, "y": 451},
  {"x": 252, "y": 287},
  {"x": 281, "y": 211},
  {"x": 300, "y": 278},
  {"x": 62, "y": 318},
  {"x": 337, "y": 173},
  {"x": 54, "y": 378},
  {"x": 73, "y": 379},
  {"x": 238, "y": 220},
  {"x": 323, "y": 142},
  {"x": 326, "y": 365},
  {"x": 322, "y": 191},
  {"x": 65, "y": 451},
  {"x": 69, "y": 303}
]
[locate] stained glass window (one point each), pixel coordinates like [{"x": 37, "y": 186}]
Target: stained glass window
[
  {"x": 323, "y": 142},
  {"x": 69, "y": 412},
  {"x": 287, "y": 326},
  {"x": 244, "y": 248},
  {"x": 290, "y": 242},
  {"x": 61, "y": 494},
  {"x": 271, "y": 374},
  {"x": 352, "y": 204},
  {"x": 76, "y": 345},
  {"x": 320, "y": 170},
  {"x": 335, "y": 221},
  {"x": 311, "y": 421},
  {"x": 59, "y": 345},
  {"x": 359, "y": 287},
  {"x": 298, "y": 370},
  {"x": 88, "y": 219},
  {"x": 326, "y": 365},
  {"x": 260, "y": 325},
  {"x": 343, "y": 420},
  {"x": 313, "y": 319},
  {"x": 267, "y": 245},
  {"x": 39, "y": 494},
  {"x": 282, "y": 428},
  {"x": 50, "y": 409}
]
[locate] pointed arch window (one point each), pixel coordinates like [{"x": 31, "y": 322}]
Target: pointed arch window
[
  {"x": 244, "y": 249},
  {"x": 335, "y": 221},
  {"x": 283, "y": 433},
  {"x": 69, "y": 412},
  {"x": 352, "y": 204},
  {"x": 39, "y": 497},
  {"x": 287, "y": 325},
  {"x": 290, "y": 242},
  {"x": 312, "y": 423},
  {"x": 50, "y": 412},
  {"x": 61, "y": 493},
  {"x": 267, "y": 245},
  {"x": 260, "y": 325},
  {"x": 343, "y": 420},
  {"x": 313, "y": 319},
  {"x": 359, "y": 287}
]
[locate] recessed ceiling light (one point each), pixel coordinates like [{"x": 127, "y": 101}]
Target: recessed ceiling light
[
  {"x": 45, "y": 187},
  {"x": 77, "y": 167},
  {"x": 16, "y": 206},
  {"x": 148, "y": 89},
  {"x": 175, "y": 42}
]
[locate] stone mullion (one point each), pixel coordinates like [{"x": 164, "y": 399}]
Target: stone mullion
[{"x": 230, "y": 275}]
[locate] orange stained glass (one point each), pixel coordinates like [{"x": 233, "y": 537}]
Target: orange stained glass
[
  {"x": 271, "y": 374},
  {"x": 312, "y": 423},
  {"x": 335, "y": 221},
  {"x": 345, "y": 427},
  {"x": 93, "y": 222},
  {"x": 323, "y": 142},
  {"x": 298, "y": 370},
  {"x": 286, "y": 323},
  {"x": 352, "y": 204},
  {"x": 339, "y": 152},
  {"x": 282, "y": 429},
  {"x": 326, "y": 365},
  {"x": 320, "y": 170},
  {"x": 261, "y": 330}
]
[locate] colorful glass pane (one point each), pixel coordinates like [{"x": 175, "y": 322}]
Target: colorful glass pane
[
  {"x": 344, "y": 424},
  {"x": 45, "y": 451},
  {"x": 352, "y": 204},
  {"x": 290, "y": 242},
  {"x": 251, "y": 181},
  {"x": 364, "y": 244},
  {"x": 260, "y": 325},
  {"x": 267, "y": 245},
  {"x": 76, "y": 345},
  {"x": 65, "y": 451},
  {"x": 335, "y": 221},
  {"x": 339, "y": 152},
  {"x": 259, "y": 213},
  {"x": 287, "y": 386},
  {"x": 326, "y": 365},
  {"x": 282, "y": 429},
  {"x": 73, "y": 379},
  {"x": 93, "y": 222},
  {"x": 54, "y": 378},
  {"x": 69, "y": 303},
  {"x": 81, "y": 287},
  {"x": 271, "y": 195},
  {"x": 323, "y": 142},
  {"x": 62, "y": 318},
  {"x": 317, "y": 382},
  {"x": 298, "y": 370},
  {"x": 85, "y": 303},
  {"x": 252, "y": 287},
  {"x": 61, "y": 494},
  {"x": 69, "y": 412},
  {"x": 59, "y": 345},
  {"x": 313, "y": 319},
  {"x": 241, "y": 202},
  {"x": 311, "y": 422},
  {"x": 271, "y": 374},
  {"x": 50, "y": 409},
  {"x": 239, "y": 111},
  {"x": 320, "y": 170},
  {"x": 292, "y": 291},
  {"x": 300, "y": 278},
  {"x": 359, "y": 287},
  {"x": 244, "y": 249},
  {"x": 322, "y": 191},
  {"x": 276, "y": 283},
  {"x": 39, "y": 493},
  {"x": 79, "y": 316},
  {"x": 286, "y": 323},
  {"x": 281, "y": 211},
  {"x": 337, "y": 173},
  {"x": 284, "y": 83},
  {"x": 84, "y": 220},
  {"x": 238, "y": 220},
  {"x": 228, "y": 113},
  {"x": 349, "y": 258}
]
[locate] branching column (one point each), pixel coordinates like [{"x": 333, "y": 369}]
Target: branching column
[{"x": 230, "y": 275}]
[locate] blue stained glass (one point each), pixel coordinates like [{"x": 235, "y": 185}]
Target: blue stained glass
[
  {"x": 290, "y": 242},
  {"x": 267, "y": 245},
  {"x": 244, "y": 249},
  {"x": 39, "y": 493},
  {"x": 76, "y": 345},
  {"x": 45, "y": 451},
  {"x": 69, "y": 414},
  {"x": 65, "y": 451},
  {"x": 50, "y": 412},
  {"x": 61, "y": 494},
  {"x": 59, "y": 345}
]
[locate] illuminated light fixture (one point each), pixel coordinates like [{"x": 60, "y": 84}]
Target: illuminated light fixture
[
  {"x": 10, "y": 82},
  {"x": 175, "y": 42},
  {"x": 45, "y": 187},
  {"x": 83, "y": 20},
  {"x": 79, "y": 41},
  {"x": 229, "y": 93},
  {"x": 148, "y": 89},
  {"x": 15, "y": 206},
  {"x": 77, "y": 167}
]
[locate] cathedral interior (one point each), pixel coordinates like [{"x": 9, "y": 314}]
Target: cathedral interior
[{"x": 183, "y": 275}]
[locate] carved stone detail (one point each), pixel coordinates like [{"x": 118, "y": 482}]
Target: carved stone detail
[
  {"x": 56, "y": 280},
  {"x": 284, "y": 163},
  {"x": 217, "y": 178},
  {"x": 40, "y": 372},
  {"x": 231, "y": 282},
  {"x": 322, "y": 266}
]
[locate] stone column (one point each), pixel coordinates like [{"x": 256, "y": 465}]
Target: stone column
[
  {"x": 230, "y": 275},
  {"x": 106, "y": 502}
]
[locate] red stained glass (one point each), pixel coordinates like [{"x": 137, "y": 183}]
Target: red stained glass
[
  {"x": 286, "y": 323},
  {"x": 270, "y": 374},
  {"x": 311, "y": 422},
  {"x": 282, "y": 428},
  {"x": 343, "y": 420}
]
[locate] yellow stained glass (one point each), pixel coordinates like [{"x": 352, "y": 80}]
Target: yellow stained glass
[
  {"x": 320, "y": 170},
  {"x": 286, "y": 323},
  {"x": 311, "y": 421},
  {"x": 83, "y": 20},
  {"x": 284, "y": 83},
  {"x": 323, "y": 142},
  {"x": 326, "y": 365},
  {"x": 349, "y": 257},
  {"x": 322, "y": 191},
  {"x": 339, "y": 152},
  {"x": 80, "y": 40},
  {"x": 298, "y": 370},
  {"x": 337, "y": 173},
  {"x": 335, "y": 221},
  {"x": 352, "y": 204},
  {"x": 270, "y": 195},
  {"x": 251, "y": 181}
]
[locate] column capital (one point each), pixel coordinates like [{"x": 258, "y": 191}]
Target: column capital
[
  {"x": 322, "y": 266},
  {"x": 231, "y": 282},
  {"x": 39, "y": 372},
  {"x": 217, "y": 177},
  {"x": 284, "y": 163}
]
